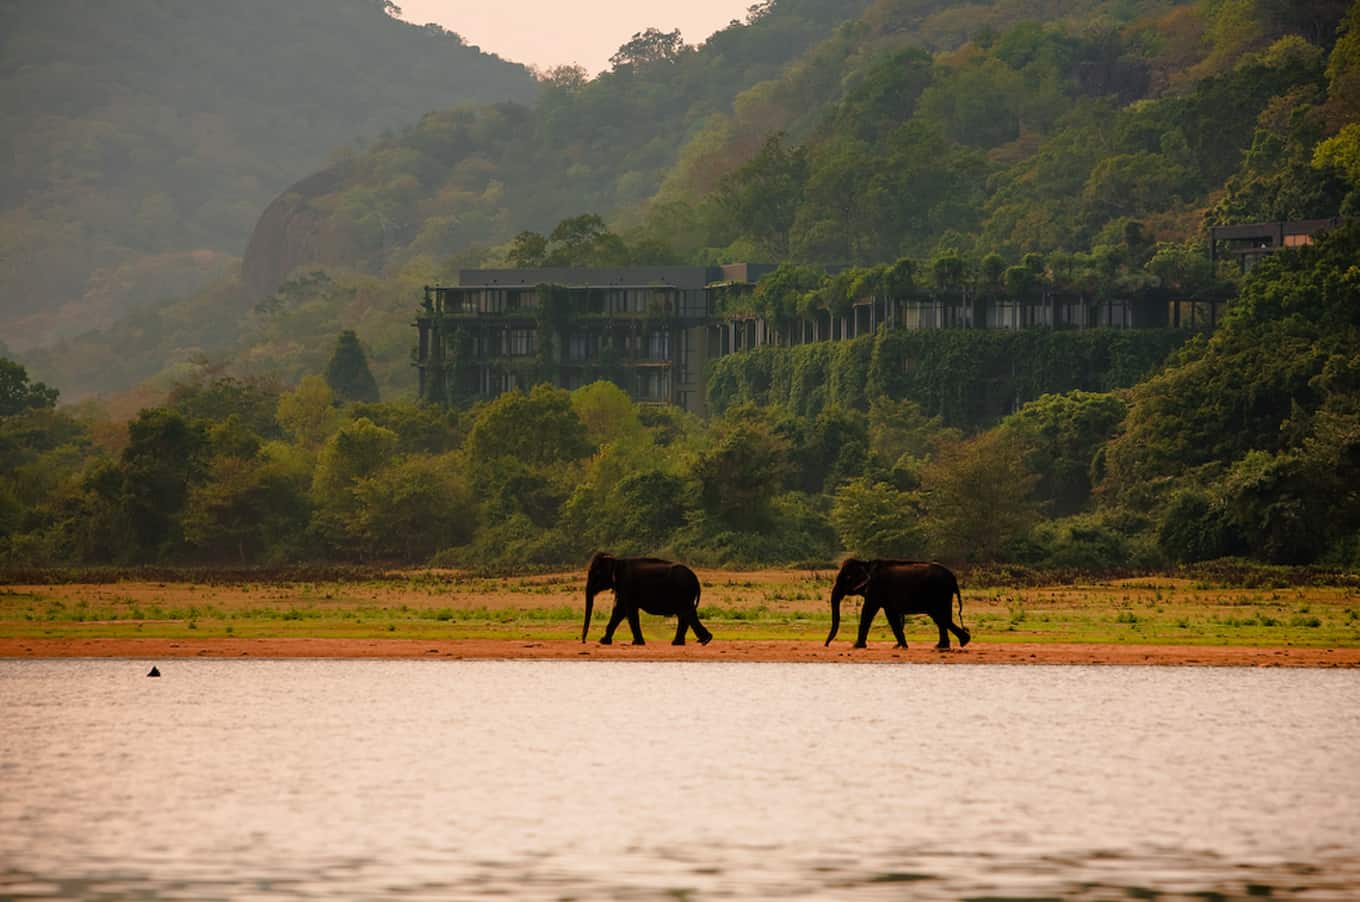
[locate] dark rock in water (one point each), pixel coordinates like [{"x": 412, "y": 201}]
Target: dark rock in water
[{"x": 154, "y": 672}]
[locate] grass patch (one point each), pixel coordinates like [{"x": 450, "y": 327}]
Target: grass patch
[{"x": 763, "y": 604}]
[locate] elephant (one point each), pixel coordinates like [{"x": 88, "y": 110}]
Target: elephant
[
  {"x": 899, "y": 588},
  {"x": 645, "y": 584}
]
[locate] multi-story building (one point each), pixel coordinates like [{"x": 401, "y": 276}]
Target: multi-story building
[
  {"x": 652, "y": 329},
  {"x": 1249, "y": 242},
  {"x": 645, "y": 328}
]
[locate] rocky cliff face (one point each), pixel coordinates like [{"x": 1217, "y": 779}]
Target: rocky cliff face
[{"x": 292, "y": 232}]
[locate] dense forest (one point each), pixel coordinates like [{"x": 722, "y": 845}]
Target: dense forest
[
  {"x": 928, "y": 147},
  {"x": 142, "y": 139},
  {"x": 1101, "y": 136},
  {"x": 1246, "y": 443}
]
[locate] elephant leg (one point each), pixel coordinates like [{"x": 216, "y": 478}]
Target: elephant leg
[
  {"x": 866, "y": 618},
  {"x": 700, "y": 631},
  {"x": 690, "y": 616},
  {"x": 635, "y": 624},
  {"x": 940, "y": 625},
  {"x": 896, "y": 619},
  {"x": 615, "y": 618},
  {"x": 681, "y": 626},
  {"x": 961, "y": 632}
]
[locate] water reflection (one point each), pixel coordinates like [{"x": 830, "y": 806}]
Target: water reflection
[{"x": 544, "y": 780}]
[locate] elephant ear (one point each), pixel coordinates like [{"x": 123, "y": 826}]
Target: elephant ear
[
  {"x": 600, "y": 559},
  {"x": 866, "y": 572}
]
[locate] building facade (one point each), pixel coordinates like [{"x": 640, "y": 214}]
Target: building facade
[
  {"x": 1249, "y": 242},
  {"x": 652, "y": 330},
  {"x": 645, "y": 328}
]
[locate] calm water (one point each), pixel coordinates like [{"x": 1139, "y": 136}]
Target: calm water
[{"x": 547, "y": 780}]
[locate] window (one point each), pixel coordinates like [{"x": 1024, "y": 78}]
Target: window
[
  {"x": 654, "y": 385},
  {"x": 493, "y": 300},
  {"x": 1004, "y": 315},
  {"x": 519, "y": 342},
  {"x": 579, "y": 347},
  {"x": 659, "y": 346}
]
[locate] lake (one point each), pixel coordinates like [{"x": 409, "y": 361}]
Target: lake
[{"x": 565, "y": 780}]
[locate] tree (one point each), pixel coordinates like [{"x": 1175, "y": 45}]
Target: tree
[
  {"x": 608, "y": 413},
  {"x": 537, "y": 429},
  {"x": 1341, "y": 152},
  {"x": 649, "y": 47},
  {"x": 245, "y": 509},
  {"x": 979, "y": 496},
  {"x": 308, "y": 412},
  {"x": 585, "y": 240},
  {"x": 347, "y": 373},
  {"x": 744, "y": 469},
  {"x": 164, "y": 458},
  {"x": 761, "y": 198},
  {"x": 877, "y": 520},
  {"x": 414, "y": 508},
  {"x": 527, "y": 249},
  {"x": 900, "y": 429},
  {"x": 253, "y": 401},
  {"x": 1183, "y": 268},
  {"x": 571, "y": 77},
  {"x": 358, "y": 450},
  {"x": 18, "y": 394},
  {"x": 1060, "y": 435}
]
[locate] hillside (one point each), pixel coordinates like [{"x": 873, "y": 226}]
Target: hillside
[
  {"x": 1083, "y": 151},
  {"x": 1246, "y": 443},
  {"x": 468, "y": 177},
  {"x": 143, "y": 139},
  {"x": 404, "y": 211}
]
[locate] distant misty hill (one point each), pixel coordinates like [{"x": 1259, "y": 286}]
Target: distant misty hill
[
  {"x": 142, "y": 138},
  {"x": 992, "y": 143}
]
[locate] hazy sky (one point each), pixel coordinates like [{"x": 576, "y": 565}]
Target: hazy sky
[{"x": 551, "y": 32}]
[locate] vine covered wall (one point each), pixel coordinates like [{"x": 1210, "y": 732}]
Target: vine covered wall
[{"x": 969, "y": 378}]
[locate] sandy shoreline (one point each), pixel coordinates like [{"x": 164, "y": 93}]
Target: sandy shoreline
[{"x": 152, "y": 650}]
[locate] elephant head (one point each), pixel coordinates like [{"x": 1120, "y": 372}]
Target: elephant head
[
  {"x": 599, "y": 578},
  {"x": 852, "y": 580}
]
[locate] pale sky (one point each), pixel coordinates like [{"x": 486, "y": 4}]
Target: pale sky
[{"x": 548, "y": 33}]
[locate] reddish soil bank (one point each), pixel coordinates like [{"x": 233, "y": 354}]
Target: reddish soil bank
[{"x": 152, "y": 650}]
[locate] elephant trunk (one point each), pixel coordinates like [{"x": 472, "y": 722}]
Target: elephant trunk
[
  {"x": 590, "y": 604},
  {"x": 836, "y": 596}
]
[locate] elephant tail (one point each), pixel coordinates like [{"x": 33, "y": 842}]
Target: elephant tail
[{"x": 959, "y": 596}]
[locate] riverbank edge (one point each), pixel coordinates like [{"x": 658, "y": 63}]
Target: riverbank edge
[{"x": 755, "y": 651}]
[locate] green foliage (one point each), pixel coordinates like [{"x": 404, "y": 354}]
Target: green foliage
[
  {"x": 1060, "y": 436},
  {"x": 347, "y": 374},
  {"x": 357, "y": 451},
  {"x": 413, "y": 508},
  {"x": 1087, "y": 542},
  {"x": 252, "y": 401},
  {"x": 164, "y": 458},
  {"x": 878, "y": 520},
  {"x": 1194, "y": 528},
  {"x": 537, "y": 429},
  {"x": 979, "y": 496},
  {"x": 761, "y": 198},
  {"x": 742, "y": 471},
  {"x": 307, "y": 414},
  {"x": 17, "y": 393},
  {"x": 135, "y": 173},
  {"x": 1285, "y": 352},
  {"x": 246, "y": 509},
  {"x": 988, "y": 154},
  {"x": 968, "y": 378}
]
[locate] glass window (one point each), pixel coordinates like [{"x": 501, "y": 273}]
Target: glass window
[{"x": 520, "y": 342}]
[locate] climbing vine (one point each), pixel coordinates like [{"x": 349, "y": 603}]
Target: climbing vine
[{"x": 969, "y": 378}]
